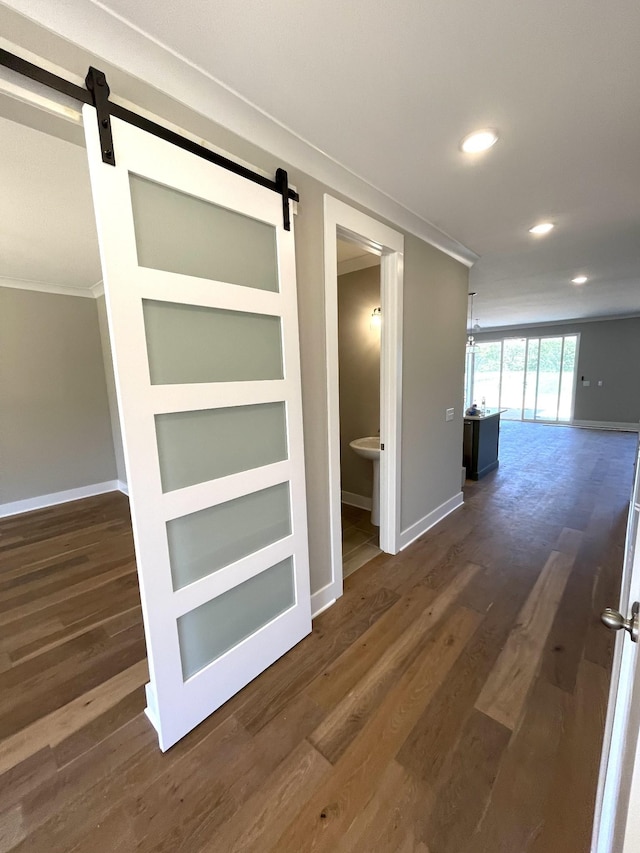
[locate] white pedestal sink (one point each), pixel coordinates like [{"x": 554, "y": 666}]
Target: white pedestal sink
[{"x": 369, "y": 448}]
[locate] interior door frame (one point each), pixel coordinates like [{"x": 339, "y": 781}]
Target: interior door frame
[{"x": 341, "y": 219}]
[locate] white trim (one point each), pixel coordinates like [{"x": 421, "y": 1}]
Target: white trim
[
  {"x": 391, "y": 350},
  {"x": 102, "y": 33},
  {"x": 123, "y": 487},
  {"x": 573, "y": 321},
  {"x": 351, "y": 499},
  {"x": 97, "y": 289},
  {"x": 27, "y": 91},
  {"x": 43, "y": 501},
  {"x": 574, "y": 378},
  {"x": 416, "y": 530},
  {"x": 46, "y": 287},
  {"x": 322, "y": 600},
  {"x": 342, "y": 220},
  {"x": 617, "y": 425},
  {"x": 357, "y": 264}
]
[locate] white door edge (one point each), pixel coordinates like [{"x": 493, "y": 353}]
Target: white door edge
[{"x": 618, "y": 794}]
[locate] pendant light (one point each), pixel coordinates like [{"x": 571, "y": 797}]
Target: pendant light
[{"x": 471, "y": 341}]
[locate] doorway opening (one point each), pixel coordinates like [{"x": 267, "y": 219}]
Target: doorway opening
[
  {"x": 72, "y": 624},
  {"x": 364, "y": 236},
  {"x": 359, "y": 333},
  {"x": 60, "y": 437}
]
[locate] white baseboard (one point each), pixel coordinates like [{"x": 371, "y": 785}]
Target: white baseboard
[
  {"x": 623, "y": 427},
  {"x": 352, "y": 499},
  {"x": 412, "y": 533},
  {"x": 323, "y": 599},
  {"x": 123, "y": 487},
  {"x": 42, "y": 501}
]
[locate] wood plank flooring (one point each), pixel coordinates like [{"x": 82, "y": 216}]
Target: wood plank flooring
[{"x": 452, "y": 701}]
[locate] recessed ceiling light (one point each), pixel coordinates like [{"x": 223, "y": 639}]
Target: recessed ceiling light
[
  {"x": 579, "y": 279},
  {"x": 541, "y": 228},
  {"x": 479, "y": 140}
]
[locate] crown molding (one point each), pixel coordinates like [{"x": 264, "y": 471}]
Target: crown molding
[
  {"x": 551, "y": 323},
  {"x": 47, "y": 287},
  {"x": 107, "y": 36},
  {"x": 97, "y": 289}
]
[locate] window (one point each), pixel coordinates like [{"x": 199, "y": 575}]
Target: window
[{"x": 533, "y": 379}]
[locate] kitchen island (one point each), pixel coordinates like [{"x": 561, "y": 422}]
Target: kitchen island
[{"x": 480, "y": 443}]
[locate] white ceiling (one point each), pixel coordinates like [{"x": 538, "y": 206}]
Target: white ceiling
[
  {"x": 389, "y": 89},
  {"x": 349, "y": 251}
]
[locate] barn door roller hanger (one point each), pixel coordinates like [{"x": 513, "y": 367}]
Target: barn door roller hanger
[{"x": 97, "y": 94}]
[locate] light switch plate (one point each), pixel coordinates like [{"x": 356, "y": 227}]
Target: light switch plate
[{"x": 449, "y": 415}]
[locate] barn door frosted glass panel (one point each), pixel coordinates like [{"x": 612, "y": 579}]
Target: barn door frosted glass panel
[
  {"x": 194, "y": 447},
  {"x": 204, "y": 542},
  {"x": 183, "y": 234},
  {"x": 191, "y": 343},
  {"x": 212, "y": 629}
]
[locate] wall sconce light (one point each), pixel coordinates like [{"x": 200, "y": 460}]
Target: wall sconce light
[{"x": 376, "y": 318}]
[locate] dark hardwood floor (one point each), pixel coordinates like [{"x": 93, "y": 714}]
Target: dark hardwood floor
[{"x": 452, "y": 701}]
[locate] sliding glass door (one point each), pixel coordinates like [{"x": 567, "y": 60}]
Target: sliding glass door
[
  {"x": 533, "y": 379},
  {"x": 512, "y": 379},
  {"x": 568, "y": 378},
  {"x": 486, "y": 367}
]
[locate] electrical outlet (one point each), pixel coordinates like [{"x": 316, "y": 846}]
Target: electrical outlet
[
  {"x": 586, "y": 383},
  {"x": 449, "y": 415},
  {"x": 599, "y": 383}
]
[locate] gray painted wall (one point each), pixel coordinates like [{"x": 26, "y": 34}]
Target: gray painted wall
[
  {"x": 435, "y": 308},
  {"x": 359, "y": 356},
  {"x": 111, "y": 390},
  {"x": 435, "y": 305},
  {"x": 609, "y": 350},
  {"x": 55, "y": 431}
]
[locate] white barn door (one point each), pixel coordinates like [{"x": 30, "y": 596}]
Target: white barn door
[{"x": 199, "y": 279}]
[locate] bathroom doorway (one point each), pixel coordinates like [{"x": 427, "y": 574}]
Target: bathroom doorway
[
  {"x": 366, "y": 237},
  {"x": 359, "y": 333}
]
